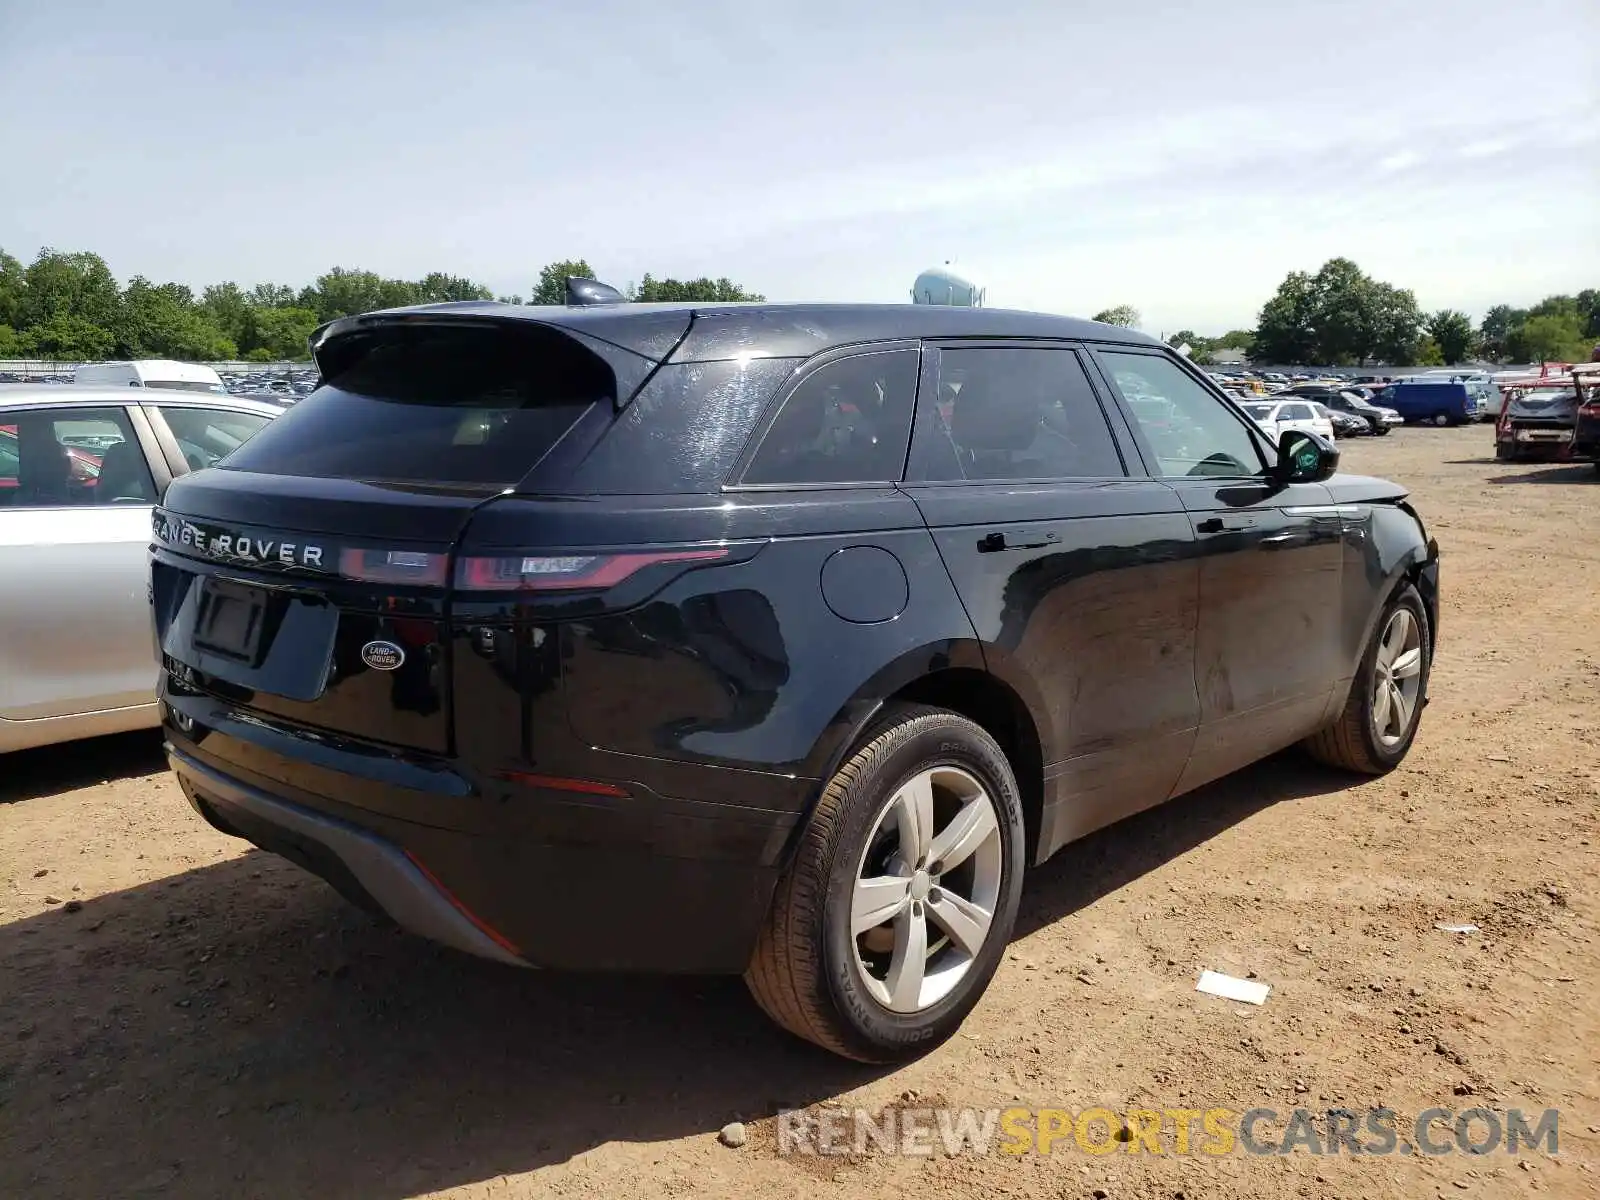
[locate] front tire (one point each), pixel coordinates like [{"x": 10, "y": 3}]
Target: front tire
[
  {"x": 899, "y": 902},
  {"x": 1379, "y": 722},
  {"x": 1441, "y": 420}
]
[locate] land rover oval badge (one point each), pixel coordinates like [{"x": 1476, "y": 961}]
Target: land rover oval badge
[{"x": 382, "y": 656}]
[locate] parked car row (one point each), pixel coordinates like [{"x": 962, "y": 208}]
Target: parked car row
[{"x": 286, "y": 387}]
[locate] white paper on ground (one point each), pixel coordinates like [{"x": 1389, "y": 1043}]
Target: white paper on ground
[
  {"x": 1214, "y": 983},
  {"x": 1442, "y": 928}
]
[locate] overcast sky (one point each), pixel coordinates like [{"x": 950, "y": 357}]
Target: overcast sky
[{"x": 1179, "y": 157}]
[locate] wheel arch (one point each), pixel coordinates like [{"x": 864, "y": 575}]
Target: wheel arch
[{"x": 956, "y": 675}]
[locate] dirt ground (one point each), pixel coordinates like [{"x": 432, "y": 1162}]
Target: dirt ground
[{"x": 180, "y": 1015}]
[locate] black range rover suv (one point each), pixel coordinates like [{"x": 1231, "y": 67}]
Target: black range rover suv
[{"x": 775, "y": 640}]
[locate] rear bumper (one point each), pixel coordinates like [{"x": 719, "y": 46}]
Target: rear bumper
[
  {"x": 362, "y": 867},
  {"x": 639, "y": 883}
]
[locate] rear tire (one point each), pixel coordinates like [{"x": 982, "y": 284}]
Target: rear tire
[
  {"x": 1441, "y": 420},
  {"x": 1368, "y": 737},
  {"x": 815, "y": 970}
]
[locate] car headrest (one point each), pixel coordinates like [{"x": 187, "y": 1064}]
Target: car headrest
[
  {"x": 983, "y": 420},
  {"x": 123, "y": 474}
]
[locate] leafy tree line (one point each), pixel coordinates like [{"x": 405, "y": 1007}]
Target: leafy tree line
[
  {"x": 68, "y": 306},
  {"x": 1341, "y": 316}
]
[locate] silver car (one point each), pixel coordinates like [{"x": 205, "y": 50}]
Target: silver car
[{"x": 80, "y": 470}]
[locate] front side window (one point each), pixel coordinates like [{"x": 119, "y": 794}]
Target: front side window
[
  {"x": 847, "y": 422},
  {"x": 1015, "y": 413},
  {"x": 208, "y": 435},
  {"x": 1296, "y": 412},
  {"x": 71, "y": 458},
  {"x": 1192, "y": 432}
]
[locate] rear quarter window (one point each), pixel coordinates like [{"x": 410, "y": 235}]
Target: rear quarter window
[
  {"x": 849, "y": 421},
  {"x": 476, "y": 407},
  {"x": 684, "y": 431}
]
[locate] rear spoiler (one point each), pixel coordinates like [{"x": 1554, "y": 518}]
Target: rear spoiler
[{"x": 632, "y": 342}]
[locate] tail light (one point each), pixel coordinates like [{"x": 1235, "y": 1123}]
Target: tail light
[
  {"x": 567, "y": 572},
  {"x": 394, "y": 566}
]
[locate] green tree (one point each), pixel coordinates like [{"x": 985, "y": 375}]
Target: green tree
[
  {"x": 1343, "y": 302},
  {"x": 228, "y": 308},
  {"x": 1286, "y": 326},
  {"x": 1589, "y": 306},
  {"x": 284, "y": 333},
  {"x": 1125, "y": 315},
  {"x": 273, "y": 295},
  {"x": 1550, "y": 337},
  {"x": 437, "y": 287},
  {"x": 164, "y": 322},
  {"x": 11, "y": 343},
  {"x": 552, "y": 285},
  {"x": 1338, "y": 316},
  {"x": 1451, "y": 332},
  {"x": 12, "y": 283},
  {"x": 66, "y": 338},
  {"x": 1396, "y": 326},
  {"x": 1236, "y": 339},
  {"x": 1429, "y": 354},
  {"x": 702, "y": 290},
  {"x": 1496, "y": 328},
  {"x": 344, "y": 293},
  {"x": 76, "y": 285}
]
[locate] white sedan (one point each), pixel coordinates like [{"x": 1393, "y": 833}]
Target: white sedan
[{"x": 1277, "y": 416}]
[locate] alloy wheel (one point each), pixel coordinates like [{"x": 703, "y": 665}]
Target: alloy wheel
[
  {"x": 926, "y": 889},
  {"x": 1397, "y": 677}
]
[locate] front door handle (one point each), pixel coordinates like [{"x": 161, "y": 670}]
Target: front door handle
[{"x": 1225, "y": 525}]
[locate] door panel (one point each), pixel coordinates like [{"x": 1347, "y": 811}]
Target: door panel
[
  {"x": 1099, "y": 610},
  {"x": 74, "y": 611},
  {"x": 1085, "y": 587},
  {"x": 1269, "y": 645},
  {"x": 75, "y": 503}
]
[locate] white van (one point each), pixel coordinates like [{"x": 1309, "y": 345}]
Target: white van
[{"x": 150, "y": 373}]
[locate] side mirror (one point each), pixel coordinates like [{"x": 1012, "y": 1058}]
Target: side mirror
[{"x": 1305, "y": 457}]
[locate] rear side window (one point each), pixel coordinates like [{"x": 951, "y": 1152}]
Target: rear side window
[
  {"x": 457, "y": 406},
  {"x": 206, "y": 435},
  {"x": 848, "y": 422},
  {"x": 1013, "y": 413}
]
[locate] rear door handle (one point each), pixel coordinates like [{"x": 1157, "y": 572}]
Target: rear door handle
[
  {"x": 1225, "y": 525},
  {"x": 1016, "y": 539}
]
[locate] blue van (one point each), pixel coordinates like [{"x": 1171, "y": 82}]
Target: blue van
[{"x": 1434, "y": 403}]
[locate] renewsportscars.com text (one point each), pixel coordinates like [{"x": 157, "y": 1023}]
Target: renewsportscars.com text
[{"x": 1180, "y": 1131}]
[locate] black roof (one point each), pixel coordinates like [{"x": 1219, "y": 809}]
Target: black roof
[{"x": 713, "y": 332}]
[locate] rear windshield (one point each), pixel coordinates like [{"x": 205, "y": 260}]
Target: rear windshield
[{"x": 455, "y": 406}]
